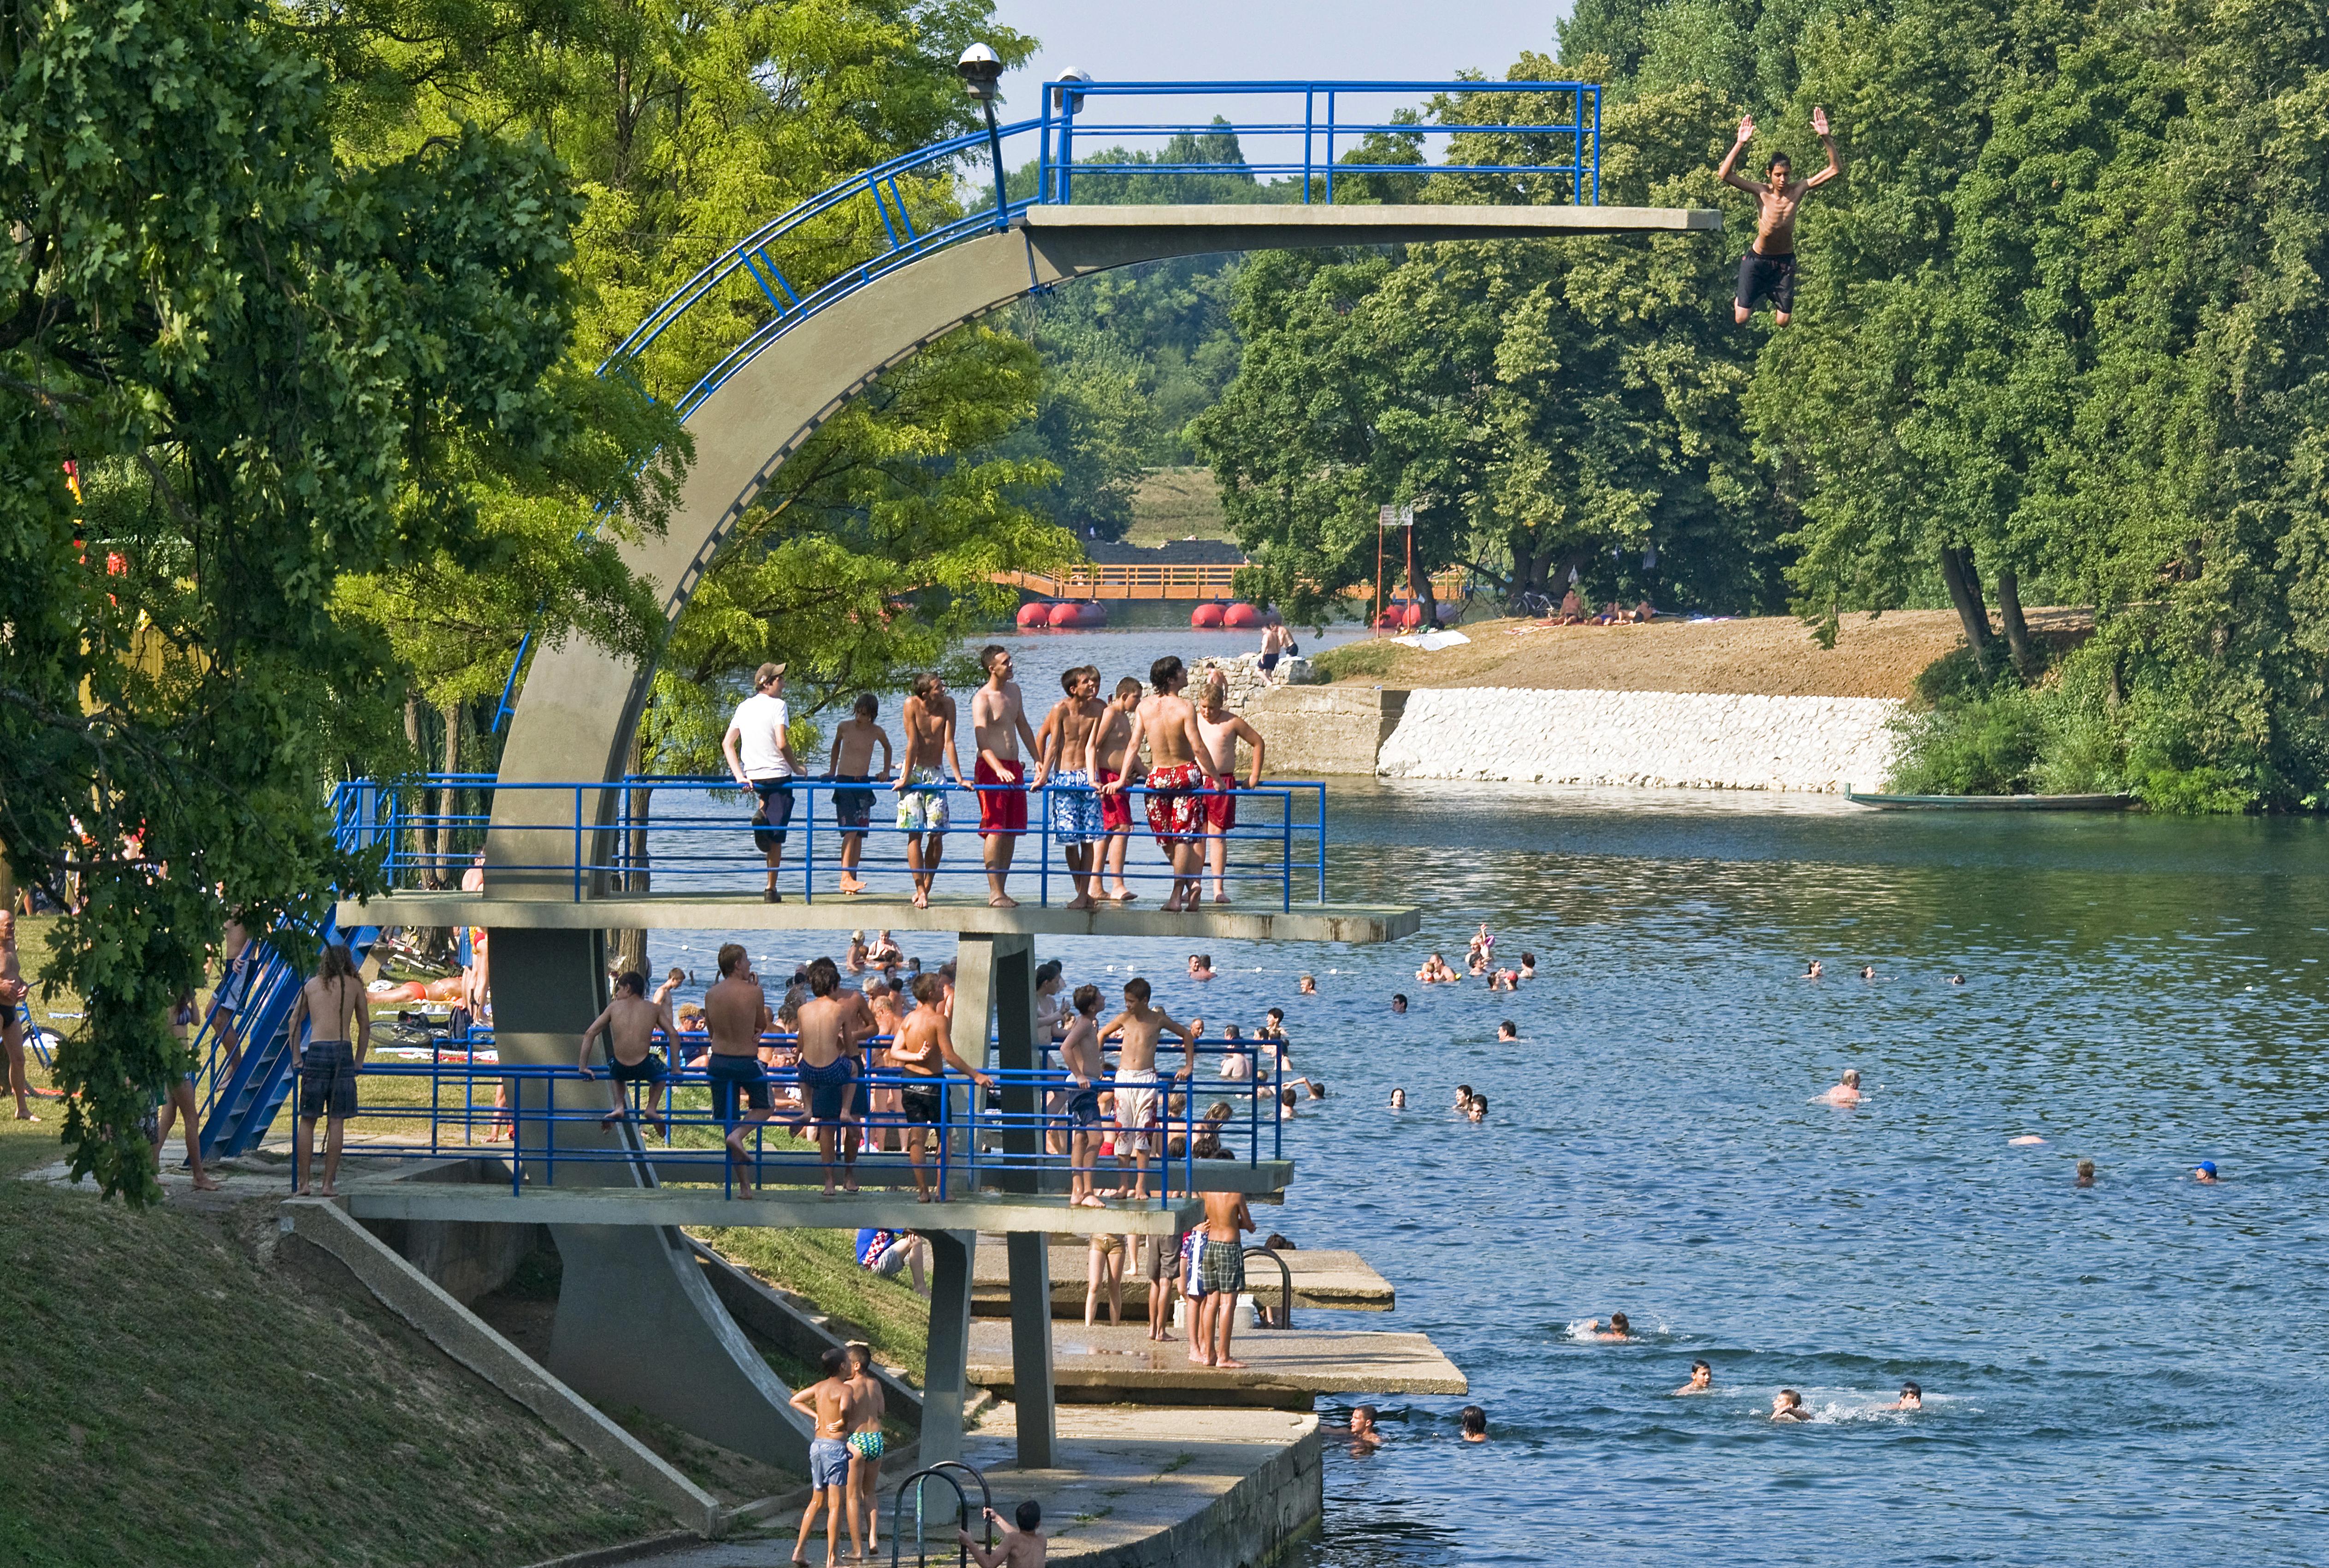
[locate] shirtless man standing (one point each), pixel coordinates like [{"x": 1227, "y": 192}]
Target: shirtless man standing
[
  {"x": 1768, "y": 268},
  {"x": 1066, "y": 740},
  {"x": 997, "y": 722},
  {"x": 735, "y": 1014},
  {"x": 332, "y": 1005},
  {"x": 1108, "y": 762},
  {"x": 830, "y": 1031},
  {"x": 830, "y": 1403},
  {"x": 1219, "y": 730},
  {"x": 1080, "y": 1053},
  {"x": 853, "y": 740},
  {"x": 13, "y": 992},
  {"x": 922, "y": 813},
  {"x": 923, "y": 1051},
  {"x": 629, "y": 1022},
  {"x": 1220, "y": 1267},
  {"x": 1167, "y": 721},
  {"x": 1136, "y": 1030}
]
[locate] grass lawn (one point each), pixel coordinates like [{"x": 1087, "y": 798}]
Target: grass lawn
[{"x": 822, "y": 1265}]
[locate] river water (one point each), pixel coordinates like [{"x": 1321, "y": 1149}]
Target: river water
[{"x": 2132, "y": 1372}]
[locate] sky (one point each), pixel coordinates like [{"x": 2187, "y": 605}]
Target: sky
[{"x": 1275, "y": 40}]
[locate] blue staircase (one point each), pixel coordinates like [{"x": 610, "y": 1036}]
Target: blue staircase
[{"x": 241, "y": 1109}]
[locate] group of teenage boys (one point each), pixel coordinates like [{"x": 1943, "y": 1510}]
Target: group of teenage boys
[{"x": 1088, "y": 752}]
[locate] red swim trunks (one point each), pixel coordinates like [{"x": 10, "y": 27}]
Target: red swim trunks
[
  {"x": 1114, "y": 810},
  {"x": 1002, "y": 810},
  {"x": 1220, "y": 806},
  {"x": 1176, "y": 810}
]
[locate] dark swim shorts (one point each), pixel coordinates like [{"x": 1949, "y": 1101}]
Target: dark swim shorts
[
  {"x": 327, "y": 1079},
  {"x": 647, "y": 1069},
  {"x": 852, "y": 807},
  {"x": 1767, "y": 277},
  {"x": 825, "y": 1086}
]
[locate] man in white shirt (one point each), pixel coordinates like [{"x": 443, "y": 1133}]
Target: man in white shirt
[{"x": 760, "y": 759}]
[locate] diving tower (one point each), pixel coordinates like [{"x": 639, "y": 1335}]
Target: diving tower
[{"x": 553, "y": 878}]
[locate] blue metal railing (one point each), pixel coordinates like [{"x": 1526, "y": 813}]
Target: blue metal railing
[
  {"x": 1276, "y": 841},
  {"x": 475, "y": 1103}
]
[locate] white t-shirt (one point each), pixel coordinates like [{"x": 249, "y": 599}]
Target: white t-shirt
[{"x": 759, "y": 724}]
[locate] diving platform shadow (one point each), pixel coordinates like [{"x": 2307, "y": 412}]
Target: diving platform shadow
[{"x": 1286, "y": 1368}]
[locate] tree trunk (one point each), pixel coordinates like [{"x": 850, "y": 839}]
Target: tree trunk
[
  {"x": 416, "y": 803},
  {"x": 447, "y": 799},
  {"x": 1964, "y": 591},
  {"x": 1418, "y": 587},
  {"x": 2017, "y": 630}
]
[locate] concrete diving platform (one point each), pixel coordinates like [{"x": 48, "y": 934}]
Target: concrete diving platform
[
  {"x": 785, "y": 1208},
  {"x": 1340, "y": 1280},
  {"x": 1286, "y": 1368},
  {"x": 1258, "y": 922}
]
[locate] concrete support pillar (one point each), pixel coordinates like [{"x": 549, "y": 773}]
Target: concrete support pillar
[
  {"x": 1030, "y": 1348},
  {"x": 946, "y": 1382}
]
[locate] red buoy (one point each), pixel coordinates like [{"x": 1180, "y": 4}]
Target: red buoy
[
  {"x": 1206, "y": 616},
  {"x": 1410, "y": 615},
  {"x": 1091, "y": 612},
  {"x": 1062, "y": 614},
  {"x": 1241, "y": 616},
  {"x": 1034, "y": 614}
]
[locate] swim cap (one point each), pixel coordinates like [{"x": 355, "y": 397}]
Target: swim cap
[{"x": 2209, "y": 1165}]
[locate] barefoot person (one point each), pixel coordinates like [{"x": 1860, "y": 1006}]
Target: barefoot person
[
  {"x": 1767, "y": 270},
  {"x": 1080, "y": 1053},
  {"x": 735, "y": 1015},
  {"x": 181, "y": 1100},
  {"x": 922, "y": 814},
  {"x": 1066, "y": 745},
  {"x": 922, "y": 1052},
  {"x": 998, "y": 721},
  {"x": 629, "y": 1024},
  {"x": 760, "y": 760},
  {"x": 331, "y": 1005},
  {"x": 831, "y": 1030},
  {"x": 868, "y": 1404},
  {"x": 829, "y": 1405},
  {"x": 1138, "y": 1029},
  {"x": 1221, "y": 1264},
  {"x": 1219, "y": 730},
  {"x": 1112, "y": 759},
  {"x": 1168, "y": 724},
  {"x": 13, "y": 992},
  {"x": 853, "y": 740}
]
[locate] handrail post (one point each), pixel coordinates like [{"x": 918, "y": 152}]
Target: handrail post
[
  {"x": 808, "y": 848},
  {"x": 1309, "y": 121}
]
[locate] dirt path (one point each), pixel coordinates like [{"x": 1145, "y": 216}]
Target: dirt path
[{"x": 1763, "y": 655}]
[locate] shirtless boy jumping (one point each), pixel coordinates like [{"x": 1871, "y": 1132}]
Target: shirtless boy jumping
[
  {"x": 629, "y": 1024},
  {"x": 1138, "y": 1029},
  {"x": 1768, "y": 268}
]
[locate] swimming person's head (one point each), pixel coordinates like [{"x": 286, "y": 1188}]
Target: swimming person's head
[
  {"x": 1851, "y": 1078},
  {"x": 1618, "y": 1323},
  {"x": 1912, "y": 1396},
  {"x": 1508, "y": 1030},
  {"x": 2204, "y": 1171},
  {"x": 1702, "y": 1375},
  {"x": 1362, "y": 1418},
  {"x": 2085, "y": 1173},
  {"x": 1399, "y": 1100},
  {"x": 1478, "y": 1110},
  {"x": 1474, "y": 1421},
  {"x": 1398, "y": 1001},
  {"x": 1786, "y": 1400},
  {"x": 1463, "y": 1094}
]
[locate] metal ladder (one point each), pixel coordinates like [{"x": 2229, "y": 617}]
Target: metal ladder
[
  {"x": 243, "y": 1107},
  {"x": 942, "y": 1470}
]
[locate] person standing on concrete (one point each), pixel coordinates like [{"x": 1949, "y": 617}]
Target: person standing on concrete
[
  {"x": 760, "y": 760},
  {"x": 1219, "y": 730},
  {"x": 830, "y": 1404},
  {"x": 922, "y": 814},
  {"x": 1277, "y": 642},
  {"x": 1109, "y": 760},
  {"x": 830, "y": 1031},
  {"x": 1066, "y": 747},
  {"x": 180, "y": 1101},
  {"x": 1167, "y": 721},
  {"x": 735, "y": 1014},
  {"x": 333, "y": 1006},
  {"x": 1138, "y": 1029},
  {"x": 629, "y": 1024},
  {"x": 921, "y": 1051},
  {"x": 998, "y": 723},
  {"x": 853, "y": 740},
  {"x": 867, "y": 1405},
  {"x": 1221, "y": 1265}
]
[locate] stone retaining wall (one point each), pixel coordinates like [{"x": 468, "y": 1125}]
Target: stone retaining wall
[{"x": 1642, "y": 739}]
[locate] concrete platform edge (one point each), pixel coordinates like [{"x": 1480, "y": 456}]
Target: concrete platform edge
[{"x": 1248, "y": 1527}]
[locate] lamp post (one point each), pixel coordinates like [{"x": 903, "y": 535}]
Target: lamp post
[{"x": 980, "y": 72}]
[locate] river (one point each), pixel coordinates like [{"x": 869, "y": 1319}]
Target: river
[{"x": 2132, "y": 1372}]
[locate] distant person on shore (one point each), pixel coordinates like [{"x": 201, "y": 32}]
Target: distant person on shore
[
  {"x": 1702, "y": 1379},
  {"x": 1220, "y": 730},
  {"x": 238, "y": 959},
  {"x": 1138, "y": 1030},
  {"x": 333, "y": 1006},
  {"x": 868, "y": 1404},
  {"x": 1023, "y": 1547},
  {"x": 735, "y": 1015},
  {"x": 2086, "y": 1174},
  {"x": 1472, "y": 1425},
  {"x": 2204, "y": 1172},
  {"x": 923, "y": 815},
  {"x": 1645, "y": 613},
  {"x": 759, "y": 756},
  {"x": 1111, "y": 761},
  {"x": 1064, "y": 745},
  {"x": 1911, "y": 1398},
  {"x": 1846, "y": 1092},
  {"x": 998, "y": 723},
  {"x": 1572, "y": 608},
  {"x": 1167, "y": 721},
  {"x": 629, "y": 1024},
  {"x": 853, "y": 740},
  {"x": 1788, "y": 1405},
  {"x": 1277, "y": 643},
  {"x": 1222, "y": 1266},
  {"x": 828, "y": 1402},
  {"x": 12, "y": 994}
]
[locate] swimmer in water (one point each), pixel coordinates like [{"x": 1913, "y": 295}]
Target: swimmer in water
[
  {"x": 1463, "y": 1098},
  {"x": 1507, "y": 1032},
  {"x": 1847, "y": 1092},
  {"x": 1619, "y": 1331},
  {"x": 1911, "y": 1398},
  {"x": 1788, "y": 1405},
  {"x": 2205, "y": 1171},
  {"x": 1478, "y": 1110},
  {"x": 1365, "y": 1435},
  {"x": 1956, "y": 979},
  {"x": 2086, "y": 1174},
  {"x": 1814, "y": 972},
  {"x": 1399, "y": 1100},
  {"x": 1868, "y": 972},
  {"x": 1309, "y": 985},
  {"x": 1474, "y": 1423},
  {"x": 1398, "y": 1002},
  {"x": 1702, "y": 1379}
]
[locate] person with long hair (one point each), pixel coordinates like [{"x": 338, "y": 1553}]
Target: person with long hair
[{"x": 333, "y": 1006}]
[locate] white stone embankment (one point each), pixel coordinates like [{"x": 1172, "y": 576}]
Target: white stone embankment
[{"x": 1643, "y": 739}]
